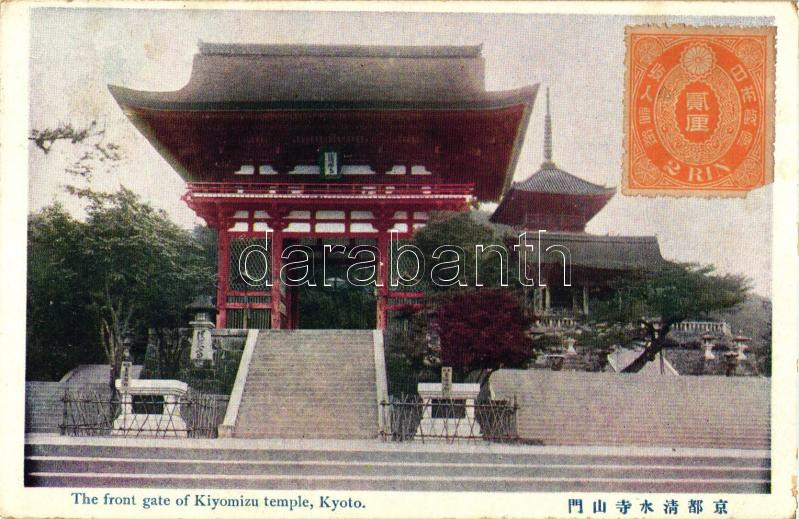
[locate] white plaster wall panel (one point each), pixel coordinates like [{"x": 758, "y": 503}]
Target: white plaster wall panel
[
  {"x": 361, "y": 215},
  {"x": 298, "y": 227},
  {"x": 330, "y": 215},
  {"x": 330, "y": 227},
  {"x": 362, "y": 227},
  {"x": 245, "y": 170}
]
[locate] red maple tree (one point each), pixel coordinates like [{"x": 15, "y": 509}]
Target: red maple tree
[{"x": 482, "y": 330}]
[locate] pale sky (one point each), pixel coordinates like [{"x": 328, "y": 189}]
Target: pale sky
[{"x": 76, "y": 53}]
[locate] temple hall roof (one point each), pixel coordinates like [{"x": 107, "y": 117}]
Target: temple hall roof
[
  {"x": 605, "y": 252},
  {"x": 330, "y": 76},
  {"x": 391, "y": 108},
  {"x": 353, "y": 51}
]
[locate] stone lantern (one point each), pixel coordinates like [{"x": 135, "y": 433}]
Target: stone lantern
[
  {"x": 569, "y": 342},
  {"x": 741, "y": 344},
  {"x": 730, "y": 363},
  {"x": 202, "y": 350},
  {"x": 707, "y": 343}
]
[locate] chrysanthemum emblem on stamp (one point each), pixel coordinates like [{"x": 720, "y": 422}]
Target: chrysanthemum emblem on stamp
[{"x": 699, "y": 110}]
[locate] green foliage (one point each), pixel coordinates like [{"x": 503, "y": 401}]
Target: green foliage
[
  {"x": 122, "y": 270},
  {"x": 463, "y": 230},
  {"x": 94, "y": 151},
  {"x": 346, "y": 307},
  {"x": 658, "y": 299},
  {"x": 673, "y": 293},
  {"x": 217, "y": 379},
  {"x": 410, "y": 356},
  {"x": 44, "y": 139},
  {"x": 60, "y": 328}
]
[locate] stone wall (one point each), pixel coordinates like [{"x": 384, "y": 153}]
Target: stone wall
[{"x": 581, "y": 408}]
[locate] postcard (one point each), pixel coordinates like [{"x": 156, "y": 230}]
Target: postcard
[{"x": 357, "y": 259}]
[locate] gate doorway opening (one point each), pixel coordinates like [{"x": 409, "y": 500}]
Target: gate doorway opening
[{"x": 334, "y": 303}]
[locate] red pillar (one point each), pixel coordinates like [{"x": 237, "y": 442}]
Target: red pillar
[
  {"x": 277, "y": 250},
  {"x": 293, "y": 308},
  {"x": 223, "y": 270},
  {"x": 382, "y": 279}
]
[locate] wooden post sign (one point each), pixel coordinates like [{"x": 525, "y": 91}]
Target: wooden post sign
[{"x": 446, "y": 381}]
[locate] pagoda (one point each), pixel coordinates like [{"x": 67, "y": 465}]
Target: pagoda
[
  {"x": 551, "y": 198},
  {"x": 561, "y": 204},
  {"x": 328, "y": 143}
]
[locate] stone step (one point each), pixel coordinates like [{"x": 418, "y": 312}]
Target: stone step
[
  {"x": 392, "y": 467},
  {"x": 391, "y": 451},
  {"x": 302, "y": 393},
  {"x": 321, "y": 467},
  {"x": 395, "y": 483}
]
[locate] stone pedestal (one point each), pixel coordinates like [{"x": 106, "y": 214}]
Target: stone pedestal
[
  {"x": 447, "y": 417},
  {"x": 707, "y": 343},
  {"x": 741, "y": 344},
  {"x": 569, "y": 342},
  {"x": 167, "y": 423}
]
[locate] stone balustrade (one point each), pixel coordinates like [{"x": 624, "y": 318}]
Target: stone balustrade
[
  {"x": 556, "y": 322},
  {"x": 703, "y": 327}
]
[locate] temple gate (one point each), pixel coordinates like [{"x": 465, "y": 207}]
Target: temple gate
[{"x": 329, "y": 142}]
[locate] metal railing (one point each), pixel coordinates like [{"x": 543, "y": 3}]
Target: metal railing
[
  {"x": 195, "y": 415},
  {"x": 409, "y": 417},
  {"x": 328, "y": 189}
]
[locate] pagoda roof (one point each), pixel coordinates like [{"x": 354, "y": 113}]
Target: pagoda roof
[
  {"x": 605, "y": 252},
  {"x": 551, "y": 193},
  {"x": 254, "y": 76},
  {"x": 551, "y": 179}
]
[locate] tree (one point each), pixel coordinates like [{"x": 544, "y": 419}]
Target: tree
[
  {"x": 94, "y": 151},
  {"x": 144, "y": 268},
  {"x": 128, "y": 268},
  {"x": 463, "y": 230},
  {"x": 481, "y": 331},
  {"x": 60, "y": 327},
  {"x": 122, "y": 270},
  {"x": 658, "y": 299},
  {"x": 411, "y": 356}
]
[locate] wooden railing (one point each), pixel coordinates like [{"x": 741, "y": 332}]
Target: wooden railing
[{"x": 330, "y": 189}]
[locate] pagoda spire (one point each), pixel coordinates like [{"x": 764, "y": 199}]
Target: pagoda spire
[{"x": 548, "y": 135}]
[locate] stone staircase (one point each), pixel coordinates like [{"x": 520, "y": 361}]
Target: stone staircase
[
  {"x": 372, "y": 465},
  {"x": 310, "y": 384},
  {"x": 44, "y": 406}
]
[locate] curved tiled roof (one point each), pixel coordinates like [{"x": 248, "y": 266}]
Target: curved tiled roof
[
  {"x": 551, "y": 179},
  {"x": 331, "y": 74},
  {"x": 352, "y": 51},
  {"x": 604, "y": 252}
]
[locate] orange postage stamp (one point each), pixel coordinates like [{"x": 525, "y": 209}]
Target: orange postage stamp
[{"x": 699, "y": 110}]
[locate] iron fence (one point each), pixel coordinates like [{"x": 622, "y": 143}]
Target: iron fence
[
  {"x": 193, "y": 415},
  {"x": 409, "y": 417}
]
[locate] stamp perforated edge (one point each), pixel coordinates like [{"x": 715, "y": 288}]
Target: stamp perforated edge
[{"x": 770, "y": 32}]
